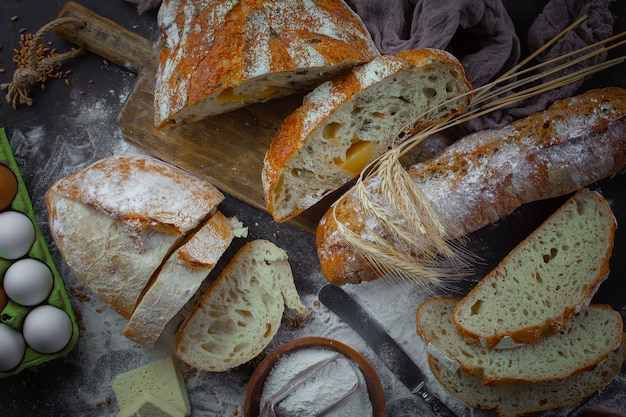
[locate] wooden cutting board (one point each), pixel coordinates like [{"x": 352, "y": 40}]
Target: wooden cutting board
[{"x": 226, "y": 150}]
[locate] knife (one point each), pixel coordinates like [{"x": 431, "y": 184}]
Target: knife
[{"x": 389, "y": 351}]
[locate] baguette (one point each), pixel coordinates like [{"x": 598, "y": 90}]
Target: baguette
[
  {"x": 551, "y": 275},
  {"x": 217, "y": 56},
  {"x": 512, "y": 400},
  {"x": 178, "y": 280},
  {"x": 585, "y": 341},
  {"x": 241, "y": 312},
  {"x": 116, "y": 220},
  {"x": 487, "y": 175},
  {"x": 349, "y": 121}
]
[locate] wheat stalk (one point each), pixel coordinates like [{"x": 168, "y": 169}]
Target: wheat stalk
[{"x": 412, "y": 244}]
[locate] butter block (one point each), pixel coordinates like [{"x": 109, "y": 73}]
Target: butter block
[
  {"x": 150, "y": 406},
  {"x": 162, "y": 379}
]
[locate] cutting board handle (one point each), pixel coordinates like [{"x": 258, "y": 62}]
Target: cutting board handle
[{"x": 106, "y": 38}]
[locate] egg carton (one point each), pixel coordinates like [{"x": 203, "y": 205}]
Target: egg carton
[{"x": 14, "y": 314}]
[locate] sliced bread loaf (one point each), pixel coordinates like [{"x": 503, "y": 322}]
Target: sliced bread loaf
[
  {"x": 116, "y": 220},
  {"x": 217, "y": 56},
  {"x": 241, "y": 312},
  {"x": 512, "y": 400},
  {"x": 349, "y": 121},
  {"x": 179, "y": 279},
  {"x": 582, "y": 344},
  {"x": 547, "y": 278}
]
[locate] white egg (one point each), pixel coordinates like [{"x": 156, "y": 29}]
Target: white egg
[
  {"x": 47, "y": 329},
  {"x": 17, "y": 234},
  {"x": 12, "y": 347},
  {"x": 28, "y": 281}
]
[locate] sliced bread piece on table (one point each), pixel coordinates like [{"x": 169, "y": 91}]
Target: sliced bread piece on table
[
  {"x": 583, "y": 343},
  {"x": 218, "y": 56},
  {"x": 349, "y": 121},
  {"x": 241, "y": 312},
  {"x": 547, "y": 278},
  {"x": 179, "y": 279},
  {"x": 116, "y": 220},
  {"x": 512, "y": 400},
  {"x": 485, "y": 176}
]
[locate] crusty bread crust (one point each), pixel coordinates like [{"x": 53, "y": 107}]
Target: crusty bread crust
[
  {"x": 351, "y": 120},
  {"x": 217, "y": 56},
  {"x": 487, "y": 175},
  {"x": 116, "y": 220}
]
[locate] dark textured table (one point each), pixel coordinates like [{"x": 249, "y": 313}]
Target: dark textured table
[{"x": 72, "y": 124}]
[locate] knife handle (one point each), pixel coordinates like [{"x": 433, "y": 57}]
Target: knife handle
[{"x": 438, "y": 408}]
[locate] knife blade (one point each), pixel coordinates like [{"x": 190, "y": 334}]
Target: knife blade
[{"x": 377, "y": 338}]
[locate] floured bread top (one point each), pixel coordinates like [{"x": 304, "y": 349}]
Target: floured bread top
[
  {"x": 210, "y": 49},
  {"x": 142, "y": 192}
]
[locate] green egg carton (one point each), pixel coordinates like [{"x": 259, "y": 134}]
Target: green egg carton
[{"x": 14, "y": 314}]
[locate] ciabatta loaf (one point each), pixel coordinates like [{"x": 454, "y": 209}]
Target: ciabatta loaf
[
  {"x": 179, "y": 279},
  {"x": 347, "y": 122},
  {"x": 241, "y": 312},
  {"x": 513, "y": 400},
  {"x": 486, "y": 175},
  {"x": 584, "y": 342},
  {"x": 115, "y": 221},
  {"x": 548, "y": 277},
  {"x": 219, "y": 55}
]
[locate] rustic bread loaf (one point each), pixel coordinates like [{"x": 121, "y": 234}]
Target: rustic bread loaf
[
  {"x": 115, "y": 221},
  {"x": 548, "y": 277},
  {"x": 584, "y": 342},
  {"x": 216, "y": 56},
  {"x": 347, "y": 122},
  {"x": 241, "y": 312},
  {"x": 179, "y": 279},
  {"x": 486, "y": 175},
  {"x": 512, "y": 400}
]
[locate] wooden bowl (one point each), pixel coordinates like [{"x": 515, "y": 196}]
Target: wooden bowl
[{"x": 257, "y": 380}]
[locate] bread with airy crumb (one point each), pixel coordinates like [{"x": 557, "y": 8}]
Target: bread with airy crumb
[
  {"x": 487, "y": 175},
  {"x": 178, "y": 280},
  {"x": 241, "y": 312},
  {"x": 551, "y": 275},
  {"x": 217, "y": 56},
  {"x": 115, "y": 221},
  {"x": 583, "y": 343},
  {"x": 513, "y": 400},
  {"x": 349, "y": 121}
]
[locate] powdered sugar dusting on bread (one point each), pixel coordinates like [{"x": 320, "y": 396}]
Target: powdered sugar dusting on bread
[
  {"x": 132, "y": 188},
  {"x": 378, "y": 69}
]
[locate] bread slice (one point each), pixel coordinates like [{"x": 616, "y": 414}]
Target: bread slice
[
  {"x": 583, "y": 343},
  {"x": 512, "y": 400},
  {"x": 116, "y": 220},
  {"x": 349, "y": 121},
  {"x": 162, "y": 379},
  {"x": 485, "y": 176},
  {"x": 179, "y": 279},
  {"x": 548, "y": 277},
  {"x": 241, "y": 312},
  {"x": 218, "y": 56}
]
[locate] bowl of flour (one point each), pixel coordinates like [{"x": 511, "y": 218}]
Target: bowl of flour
[{"x": 314, "y": 376}]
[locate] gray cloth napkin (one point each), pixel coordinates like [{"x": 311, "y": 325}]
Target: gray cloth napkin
[{"x": 480, "y": 33}]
